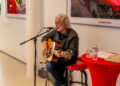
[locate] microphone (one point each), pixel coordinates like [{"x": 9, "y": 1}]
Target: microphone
[{"x": 50, "y": 28}]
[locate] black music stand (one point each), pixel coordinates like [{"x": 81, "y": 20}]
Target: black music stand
[{"x": 35, "y": 41}]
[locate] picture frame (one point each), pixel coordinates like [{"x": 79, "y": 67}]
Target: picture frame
[
  {"x": 90, "y": 14},
  {"x": 16, "y": 8}
]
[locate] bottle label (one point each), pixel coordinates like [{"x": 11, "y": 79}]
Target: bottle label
[{"x": 94, "y": 49}]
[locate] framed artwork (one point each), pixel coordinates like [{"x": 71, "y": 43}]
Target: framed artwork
[
  {"x": 94, "y": 12},
  {"x": 16, "y": 8},
  {"x": 0, "y": 6}
]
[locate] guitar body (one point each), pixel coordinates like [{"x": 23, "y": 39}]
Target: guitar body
[
  {"x": 49, "y": 56},
  {"x": 51, "y": 48}
]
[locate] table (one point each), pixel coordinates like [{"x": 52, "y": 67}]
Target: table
[{"x": 103, "y": 73}]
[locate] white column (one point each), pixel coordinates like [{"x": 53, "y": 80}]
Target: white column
[{"x": 31, "y": 30}]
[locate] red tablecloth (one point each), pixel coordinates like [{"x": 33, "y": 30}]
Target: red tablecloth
[{"x": 103, "y": 73}]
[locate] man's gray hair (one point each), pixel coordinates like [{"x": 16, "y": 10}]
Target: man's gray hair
[{"x": 64, "y": 18}]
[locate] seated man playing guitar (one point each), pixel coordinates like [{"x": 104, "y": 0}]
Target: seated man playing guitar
[{"x": 66, "y": 51}]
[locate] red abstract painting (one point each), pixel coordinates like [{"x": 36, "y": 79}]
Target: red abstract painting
[{"x": 16, "y": 6}]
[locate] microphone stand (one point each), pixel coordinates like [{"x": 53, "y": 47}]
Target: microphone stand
[{"x": 35, "y": 42}]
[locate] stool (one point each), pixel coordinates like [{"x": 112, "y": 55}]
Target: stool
[{"x": 78, "y": 66}]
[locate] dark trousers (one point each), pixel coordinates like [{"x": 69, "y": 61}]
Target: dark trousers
[{"x": 57, "y": 70}]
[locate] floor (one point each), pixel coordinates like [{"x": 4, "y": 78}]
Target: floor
[{"x": 13, "y": 73}]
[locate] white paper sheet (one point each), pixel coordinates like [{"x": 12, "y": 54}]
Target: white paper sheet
[{"x": 103, "y": 54}]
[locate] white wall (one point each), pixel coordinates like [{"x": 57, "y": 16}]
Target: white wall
[
  {"x": 107, "y": 38},
  {"x": 12, "y": 33}
]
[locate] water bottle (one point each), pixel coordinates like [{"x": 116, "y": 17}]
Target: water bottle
[{"x": 94, "y": 52}]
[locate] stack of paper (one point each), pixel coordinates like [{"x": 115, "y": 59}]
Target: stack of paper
[
  {"x": 113, "y": 58},
  {"x": 103, "y": 54}
]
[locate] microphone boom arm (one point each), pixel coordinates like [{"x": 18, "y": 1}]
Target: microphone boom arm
[{"x": 34, "y": 37}]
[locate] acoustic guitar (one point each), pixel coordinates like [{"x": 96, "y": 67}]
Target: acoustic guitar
[{"x": 52, "y": 48}]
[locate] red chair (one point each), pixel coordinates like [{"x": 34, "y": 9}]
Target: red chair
[{"x": 78, "y": 66}]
